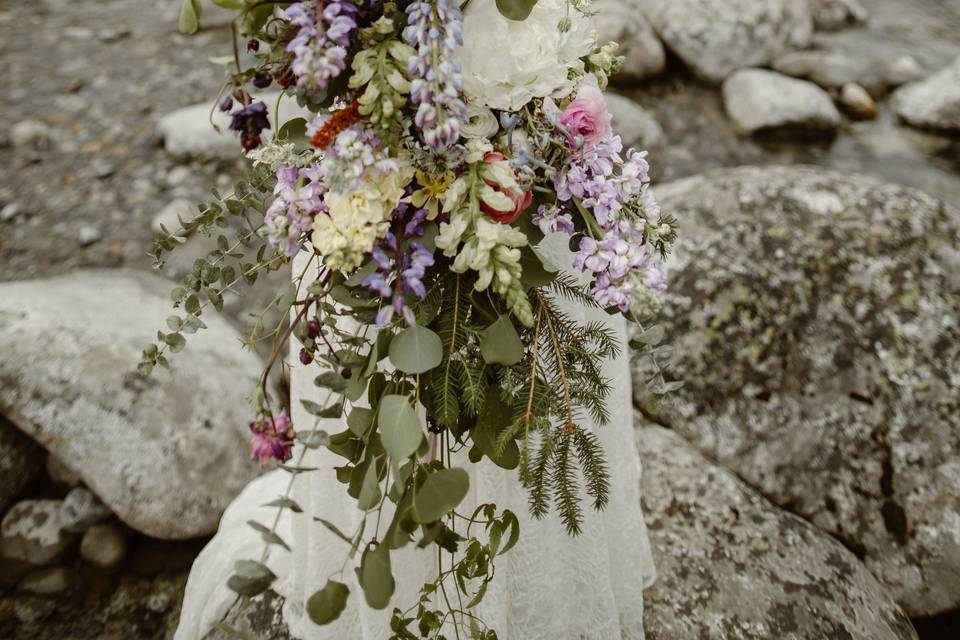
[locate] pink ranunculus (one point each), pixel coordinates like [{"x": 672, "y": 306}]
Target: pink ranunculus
[
  {"x": 521, "y": 199},
  {"x": 587, "y": 116}
]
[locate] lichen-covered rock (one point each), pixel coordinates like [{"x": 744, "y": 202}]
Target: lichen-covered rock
[
  {"x": 732, "y": 566},
  {"x": 765, "y": 102},
  {"x": 933, "y": 103},
  {"x": 261, "y": 617},
  {"x": 816, "y": 319},
  {"x": 31, "y": 532},
  {"x": 717, "y": 37},
  {"x": 166, "y": 454},
  {"x": 21, "y": 459},
  {"x": 623, "y": 22}
]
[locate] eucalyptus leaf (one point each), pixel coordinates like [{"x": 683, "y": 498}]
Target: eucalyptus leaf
[
  {"x": 501, "y": 343},
  {"x": 399, "y": 426},
  {"x": 328, "y": 603},
  {"x": 190, "y": 12},
  {"x": 369, "y": 489},
  {"x": 375, "y": 576},
  {"x": 652, "y": 336},
  {"x": 416, "y": 349},
  {"x": 359, "y": 421},
  {"x": 517, "y": 10},
  {"x": 441, "y": 491}
]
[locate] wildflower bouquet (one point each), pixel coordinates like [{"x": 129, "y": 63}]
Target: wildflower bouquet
[{"x": 447, "y": 141}]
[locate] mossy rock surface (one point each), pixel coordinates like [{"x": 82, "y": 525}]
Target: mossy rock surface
[{"x": 816, "y": 318}]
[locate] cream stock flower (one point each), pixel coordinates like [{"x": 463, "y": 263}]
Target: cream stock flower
[{"x": 358, "y": 218}]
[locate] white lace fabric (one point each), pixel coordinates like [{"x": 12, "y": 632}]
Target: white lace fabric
[{"x": 550, "y": 586}]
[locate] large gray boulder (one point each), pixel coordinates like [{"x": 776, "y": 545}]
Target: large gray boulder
[
  {"x": 166, "y": 454},
  {"x": 634, "y": 124},
  {"x": 765, "y": 102},
  {"x": 623, "y": 22},
  {"x": 933, "y": 103},
  {"x": 816, "y": 320},
  {"x": 20, "y": 461},
  {"x": 732, "y": 565},
  {"x": 717, "y": 37}
]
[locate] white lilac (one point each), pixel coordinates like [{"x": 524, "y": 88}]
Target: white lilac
[
  {"x": 299, "y": 198},
  {"x": 320, "y": 47},
  {"x": 435, "y": 31},
  {"x": 617, "y": 194},
  {"x": 552, "y": 221}
]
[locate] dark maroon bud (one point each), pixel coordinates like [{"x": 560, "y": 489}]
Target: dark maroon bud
[
  {"x": 226, "y": 104},
  {"x": 253, "y": 45},
  {"x": 313, "y": 329},
  {"x": 305, "y": 357},
  {"x": 262, "y": 80}
]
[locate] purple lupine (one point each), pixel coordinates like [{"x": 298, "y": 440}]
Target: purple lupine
[
  {"x": 401, "y": 265},
  {"x": 299, "y": 198},
  {"x": 249, "y": 122},
  {"x": 271, "y": 438},
  {"x": 320, "y": 47},
  {"x": 435, "y": 31}
]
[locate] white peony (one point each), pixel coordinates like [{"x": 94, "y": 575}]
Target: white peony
[{"x": 506, "y": 63}]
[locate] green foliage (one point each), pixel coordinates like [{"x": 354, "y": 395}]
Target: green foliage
[
  {"x": 328, "y": 603},
  {"x": 190, "y": 13},
  {"x": 375, "y": 576},
  {"x": 501, "y": 344},
  {"x": 440, "y": 492},
  {"x": 416, "y": 350},
  {"x": 516, "y": 9},
  {"x": 400, "y": 428}
]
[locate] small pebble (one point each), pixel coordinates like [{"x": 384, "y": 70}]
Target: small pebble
[
  {"x": 104, "y": 546},
  {"x": 47, "y": 582},
  {"x": 857, "y": 102},
  {"x": 88, "y": 235},
  {"x": 9, "y": 212},
  {"x": 81, "y": 510},
  {"x": 30, "y": 134}
]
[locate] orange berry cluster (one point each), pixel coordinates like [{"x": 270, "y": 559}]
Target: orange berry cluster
[{"x": 346, "y": 117}]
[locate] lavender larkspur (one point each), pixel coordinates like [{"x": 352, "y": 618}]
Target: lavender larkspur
[
  {"x": 435, "y": 31},
  {"x": 320, "y": 47}
]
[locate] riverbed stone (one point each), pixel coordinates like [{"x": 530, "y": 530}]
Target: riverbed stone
[
  {"x": 877, "y": 68},
  {"x": 104, "y": 546},
  {"x": 732, "y": 565},
  {"x": 188, "y": 132},
  {"x": 816, "y": 321},
  {"x": 933, "y": 103},
  {"x": 634, "y": 124},
  {"x": 21, "y": 460},
  {"x": 830, "y": 15},
  {"x": 762, "y": 102},
  {"x": 623, "y": 22},
  {"x": 167, "y": 453},
  {"x": 716, "y": 37},
  {"x": 81, "y": 510}
]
